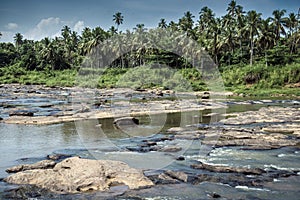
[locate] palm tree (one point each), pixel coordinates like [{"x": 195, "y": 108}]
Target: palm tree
[
  {"x": 118, "y": 19},
  {"x": 186, "y": 23},
  {"x": 112, "y": 30},
  {"x": 66, "y": 32},
  {"x": 18, "y": 40},
  {"x": 140, "y": 28},
  {"x": 162, "y": 23},
  {"x": 253, "y": 25},
  {"x": 206, "y": 17},
  {"x": 291, "y": 23},
  {"x": 278, "y": 23},
  {"x": 266, "y": 38}
]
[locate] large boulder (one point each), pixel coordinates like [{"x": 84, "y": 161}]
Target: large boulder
[{"x": 74, "y": 175}]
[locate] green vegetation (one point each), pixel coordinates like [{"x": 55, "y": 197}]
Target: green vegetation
[
  {"x": 262, "y": 80},
  {"x": 254, "y": 55}
]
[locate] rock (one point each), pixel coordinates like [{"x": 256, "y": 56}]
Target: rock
[
  {"x": 44, "y": 164},
  {"x": 58, "y": 156},
  {"x": 215, "y": 195},
  {"x": 125, "y": 121},
  {"x": 181, "y": 176},
  {"x": 1, "y": 118},
  {"x": 205, "y": 96},
  {"x": 21, "y": 113},
  {"x": 228, "y": 169},
  {"x": 170, "y": 149},
  {"x": 180, "y": 158},
  {"x": 74, "y": 175}
]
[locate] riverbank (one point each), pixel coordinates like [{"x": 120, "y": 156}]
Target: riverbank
[{"x": 245, "y": 80}]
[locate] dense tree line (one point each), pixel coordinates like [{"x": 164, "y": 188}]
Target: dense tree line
[{"x": 238, "y": 37}]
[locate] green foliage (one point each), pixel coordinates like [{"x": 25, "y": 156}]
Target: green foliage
[{"x": 258, "y": 77}]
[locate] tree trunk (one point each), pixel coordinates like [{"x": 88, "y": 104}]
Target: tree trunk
[{"x": 251, "y": 51}]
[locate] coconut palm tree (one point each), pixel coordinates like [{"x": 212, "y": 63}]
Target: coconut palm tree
[
  {"x": 253, "y": 25},
  {"x": 118, "y": 19},
  {"x": 162, "y": 23},
  {"x": 18, "y": 38},
  {"x": 186, "y": 23},
  {"x": 277, "y": 22},
  {"x": 291, "y": 23},
  {"x": 266, "y": 39},
  {"x": 206, "y": 17}
]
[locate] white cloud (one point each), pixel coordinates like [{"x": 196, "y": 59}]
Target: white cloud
[
  {"x": 45, "y": 28},
  {"x": 51, "y": 27},
  {"x": 79, "y": 26},
  {"x": 7, "y": 36},
  {"x": 11, "y": 26}
]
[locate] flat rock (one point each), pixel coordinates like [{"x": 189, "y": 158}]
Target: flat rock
[
  {"x": 21, "y": 113},
  {"x": 44, "y": 164},
  {"x": 181, "y": 176},
  {"x": 74, "y": 175},
  {"x": 228, "y": 169}
]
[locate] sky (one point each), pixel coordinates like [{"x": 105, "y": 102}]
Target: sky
[{"x": 36, "y": 19}]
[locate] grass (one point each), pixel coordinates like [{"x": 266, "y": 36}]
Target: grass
[
  {"x": 256, "y": 80},
  {"x": 261, "y": 80}
]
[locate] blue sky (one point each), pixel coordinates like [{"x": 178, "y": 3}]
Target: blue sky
[{"x": 36, "y": 19}]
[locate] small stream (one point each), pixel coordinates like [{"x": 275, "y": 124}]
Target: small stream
[{"x": 21, "y": 144}]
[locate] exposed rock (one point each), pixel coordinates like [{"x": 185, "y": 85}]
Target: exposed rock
[
  {"x": 58, "y": 156},
  {"x": 265, "y": 115},
  {"x": 74, "y": 175},
  {"x": 180, "y": 158},
  {"x": 44, "y": 164},
  {"x": 181, "y": 176},
  {"x": 170, "y": 149},
  {"x": 126, "y": 121},
  {"x": 21, "y": 113},
  {"x": 228, "y": 169}
]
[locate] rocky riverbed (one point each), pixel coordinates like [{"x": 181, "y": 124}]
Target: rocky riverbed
[
  {"x": 249, "y": 154},
  {"x": 42, "y": 105}
]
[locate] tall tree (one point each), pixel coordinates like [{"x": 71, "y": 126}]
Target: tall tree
[
  {"x": 278, "y": 23},
  {"x": 186, "y": 23},
  {"x": 118, "y": 19},
  {"x": 162, "y": 23},
  {"x": 18, "y": 38},
  {"x": 254, "y": 22},
  {"x": 291, "y": 23}
]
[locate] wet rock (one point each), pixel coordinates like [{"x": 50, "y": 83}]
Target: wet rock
[
  {"x": 21, "y": 113},
  {"x": 125, "y": 121},
  {"x": 215, "y": 195},
  {"x": 44, "y": 164},
  {"x": 28, "y": 192},
  {"x": 56, "y": 157},
  {"x": 228, "y": 169},
  {"x": 265, "y": 115},
  {"x": 74, "y": 175},
  {"x": 170, "y": 149},
  {"x": 180, "y": 158},
  {"x": 181, "y": 176}
]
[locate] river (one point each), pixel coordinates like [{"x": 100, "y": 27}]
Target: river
[{"x": 21, "y": 144}]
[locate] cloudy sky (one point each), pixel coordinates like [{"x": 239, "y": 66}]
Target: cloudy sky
[{"x": 36, "y": 19}]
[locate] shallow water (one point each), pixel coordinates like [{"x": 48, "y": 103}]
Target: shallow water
[{"x": 22, "y": 144}]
